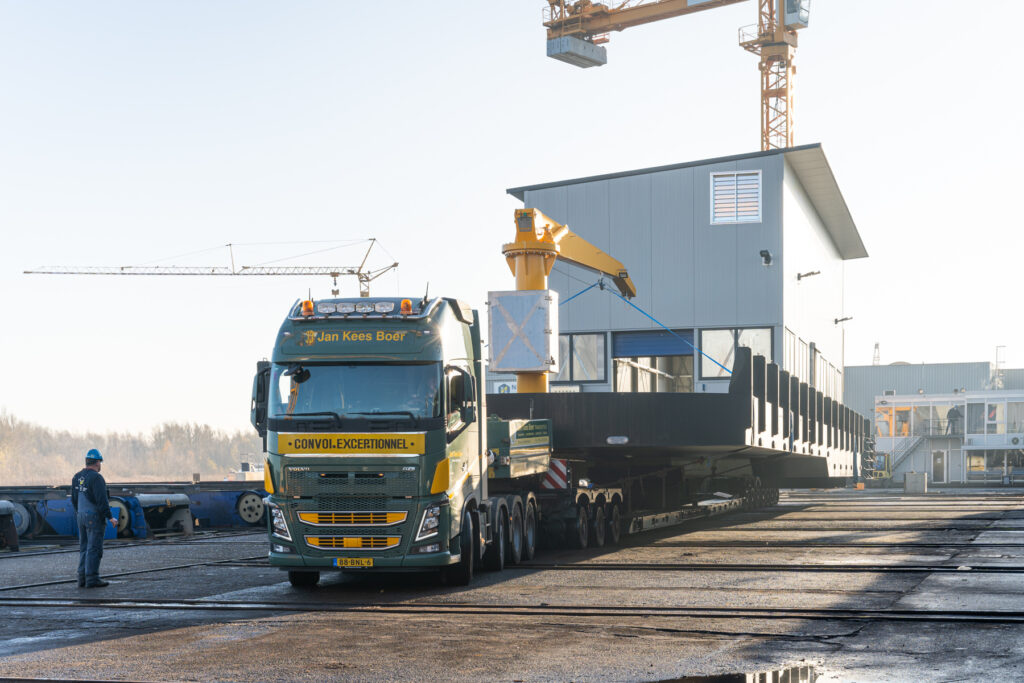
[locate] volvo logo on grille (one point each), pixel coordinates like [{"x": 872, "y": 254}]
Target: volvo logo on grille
[{"x": 298, "y": 469}]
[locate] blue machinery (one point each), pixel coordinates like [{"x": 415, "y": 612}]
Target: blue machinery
[{"x": 141, "y": 510}]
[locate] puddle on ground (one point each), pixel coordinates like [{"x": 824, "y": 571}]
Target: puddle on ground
[{"x": 799, "y": 674}]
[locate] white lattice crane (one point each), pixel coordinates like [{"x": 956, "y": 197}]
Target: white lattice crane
[{"x": 363, "y": 274}]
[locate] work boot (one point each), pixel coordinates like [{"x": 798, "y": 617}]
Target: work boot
[
  {"x": 99, "y": 584},
  {"x": 81, "y": 582}
]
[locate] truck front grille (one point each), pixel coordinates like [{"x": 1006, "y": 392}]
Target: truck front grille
[
  {"x": 349, "y": 483},
  {"x": 329, "y": 502},
  {"x": 353, "y": 518},
  {"x": 354, "y": 542}
]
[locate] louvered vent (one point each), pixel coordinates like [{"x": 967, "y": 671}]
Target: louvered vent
[{"x": 736, "y": 197}]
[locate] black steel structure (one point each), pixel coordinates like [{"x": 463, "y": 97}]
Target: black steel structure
[{"x": 768, "y": 425}]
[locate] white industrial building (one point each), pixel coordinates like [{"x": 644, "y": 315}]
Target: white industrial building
[
  {"x": 746, "y": 250},
  {"x": 960, "y": 423}
]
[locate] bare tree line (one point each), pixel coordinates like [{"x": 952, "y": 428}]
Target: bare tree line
[{"x": 31, "y": 454}]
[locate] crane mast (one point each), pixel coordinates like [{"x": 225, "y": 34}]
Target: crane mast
[
  {"x": 775, "y": 44},
  {"x": 578, "y": 29}
]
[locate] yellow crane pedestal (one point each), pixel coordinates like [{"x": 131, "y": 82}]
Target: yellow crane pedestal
[{"x": 539, "y": 241}]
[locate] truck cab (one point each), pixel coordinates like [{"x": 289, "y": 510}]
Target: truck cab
[{"x": 370, "y": 410}]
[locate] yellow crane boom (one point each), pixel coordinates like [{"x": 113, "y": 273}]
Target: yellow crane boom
[{"x": 591, "y": 19}]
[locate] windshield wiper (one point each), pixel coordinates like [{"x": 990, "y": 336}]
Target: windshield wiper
[
  {"x": 322, "y": 413},
  {"x": 407, "y": 413}
]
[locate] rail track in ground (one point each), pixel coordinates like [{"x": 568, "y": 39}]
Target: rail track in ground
[{"x": 566, "y": 610}]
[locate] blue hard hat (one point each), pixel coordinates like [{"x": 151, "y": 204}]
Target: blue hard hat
[{"x": 93, "y": 454}]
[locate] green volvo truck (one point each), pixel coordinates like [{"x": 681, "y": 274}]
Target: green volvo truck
[{"x": 379, "y": 453}]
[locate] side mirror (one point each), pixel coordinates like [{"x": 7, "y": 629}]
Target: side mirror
[
  {"x": 258, "y": 406},
  {"x": 462, "y": 394}
]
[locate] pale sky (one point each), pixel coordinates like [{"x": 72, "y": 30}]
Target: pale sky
[{"x": 133, "y": 131}]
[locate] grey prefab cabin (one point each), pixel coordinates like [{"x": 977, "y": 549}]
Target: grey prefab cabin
[{"x": 745, "y": 250}]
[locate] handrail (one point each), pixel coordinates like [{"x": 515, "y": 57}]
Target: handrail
[{"x": 904, "y": 453}]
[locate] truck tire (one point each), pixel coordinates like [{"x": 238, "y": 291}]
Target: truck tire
[
  {"x": 515, "y": 536},
  {"x": 461, "y": 574},
  {"x": 614, "y": 534},
  {"x": 578, "y": 531},
  {"x": 303, "y": 579},
  {"x": 494, "y": 557},
  {"x": 597, "y": 527},
  {"x": 530, "y": 532}
]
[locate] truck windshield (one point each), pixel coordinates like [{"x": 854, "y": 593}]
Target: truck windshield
[{"x": 356, "y": 390}]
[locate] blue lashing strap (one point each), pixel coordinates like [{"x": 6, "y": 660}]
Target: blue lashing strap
[
  {"x": 582, "y": 291},
  {"x": 600, "y": 284}
]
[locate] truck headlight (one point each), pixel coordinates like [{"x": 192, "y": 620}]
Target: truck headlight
[
  {"x": 278, "y": 526},
  {"x": 431, "y": 520}
]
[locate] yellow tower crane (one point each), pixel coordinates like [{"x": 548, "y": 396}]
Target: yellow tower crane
[
  {"x": 578, "y": 29},
  {"x": 539, "y": 242}
]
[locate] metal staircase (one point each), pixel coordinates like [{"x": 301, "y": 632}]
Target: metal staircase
[{"x": 904, "y": 451}]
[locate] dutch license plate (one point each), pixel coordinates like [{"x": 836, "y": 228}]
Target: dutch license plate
[{"x": 353, "y": 562}]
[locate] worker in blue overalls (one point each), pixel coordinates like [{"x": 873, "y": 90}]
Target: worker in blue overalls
[{"x": 89, "y": 498}]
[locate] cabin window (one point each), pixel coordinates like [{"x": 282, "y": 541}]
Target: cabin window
[
  {"x": 581, "y": 358},
  {"x": 721, "y": 345}
]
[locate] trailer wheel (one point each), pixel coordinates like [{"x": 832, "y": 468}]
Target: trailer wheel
[
  {"x": 462, "y": 573},
  {"x": 597, "y": 527},
  {"x": 578, "y": 531},
  {"x": 494, "y": 556},
  {"x": 530, "y": 533},
  {"x": 515, "y": 536},
  {"x": 303, "y": 579},
  {"x": 614, "y": 525}
]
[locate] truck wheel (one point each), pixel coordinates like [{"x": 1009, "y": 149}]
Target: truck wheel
[
  {"x": 494, "y": 557},
  {"x": 303, "y": 579},
  {"x": 530, "y": 533},
  {"x": 578, "y": 531},
  {"x": 614, "y": 525},
  {"x": 462, "y": 573},
  {"x": 597, "y": 527},
  {"x": 515, "y": 536}
]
